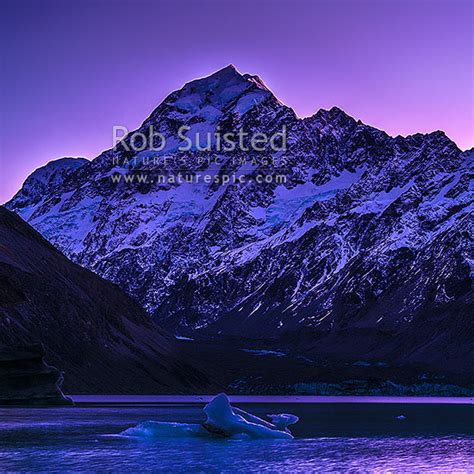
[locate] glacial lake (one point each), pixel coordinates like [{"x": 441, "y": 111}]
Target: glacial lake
[{"x": 334, "y": 434}]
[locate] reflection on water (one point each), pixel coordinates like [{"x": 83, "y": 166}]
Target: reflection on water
[{"x": 329, "y": 437}]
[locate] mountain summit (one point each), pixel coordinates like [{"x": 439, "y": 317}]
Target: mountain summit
[
  {"x": 220, "y": 88},
  {"x": 226, "y": 77}
]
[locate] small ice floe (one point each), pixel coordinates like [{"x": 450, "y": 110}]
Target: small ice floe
[
  {"x": 283, "y": 420},
  {"x": 162, "y": 429},
  {"x": 401, "y": 417},
  {"x": 223, "y": 421}
]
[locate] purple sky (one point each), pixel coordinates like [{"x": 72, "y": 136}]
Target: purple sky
[{"x": 72, "y": 69}]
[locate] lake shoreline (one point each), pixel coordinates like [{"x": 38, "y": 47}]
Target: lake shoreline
[{"x": 159, "y": 400}]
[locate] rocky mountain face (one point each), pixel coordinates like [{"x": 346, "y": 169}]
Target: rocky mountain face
[
  {"x": 99, "y": 337},
  {"x": 365, "y": 247},
  {"x": 48, "y": 176}
]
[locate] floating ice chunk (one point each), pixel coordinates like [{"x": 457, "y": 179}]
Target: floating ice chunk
[
  {"x": 283, "y": 420},
  {"x": 223, "y": 420},
  {"x": 161, "y": 429}
]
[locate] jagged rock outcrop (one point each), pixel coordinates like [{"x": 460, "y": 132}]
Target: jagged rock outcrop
[
  {"x": 369, "y": 234},
  {"x": 26, "y": 379}
]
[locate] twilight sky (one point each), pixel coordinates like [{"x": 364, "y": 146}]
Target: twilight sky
[{"x": 73, "y": 69}]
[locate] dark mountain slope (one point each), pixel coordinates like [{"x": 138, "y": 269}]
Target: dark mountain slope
[{"x": 100, "y": 338}]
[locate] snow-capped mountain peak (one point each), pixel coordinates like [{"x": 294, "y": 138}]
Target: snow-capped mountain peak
[
  {"x": 340, "y": 244},
  {"x": 219, "y": 90}
]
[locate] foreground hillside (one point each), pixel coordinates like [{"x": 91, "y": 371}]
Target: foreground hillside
[{"x": 100, "y": 338}]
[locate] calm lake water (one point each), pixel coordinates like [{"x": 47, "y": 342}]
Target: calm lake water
[{"x": 330, "y": 437}]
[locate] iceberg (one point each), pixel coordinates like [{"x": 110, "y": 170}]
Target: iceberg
[
  {"x": 231, "y": 422},
  {"x": 223, "y": 421}
]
